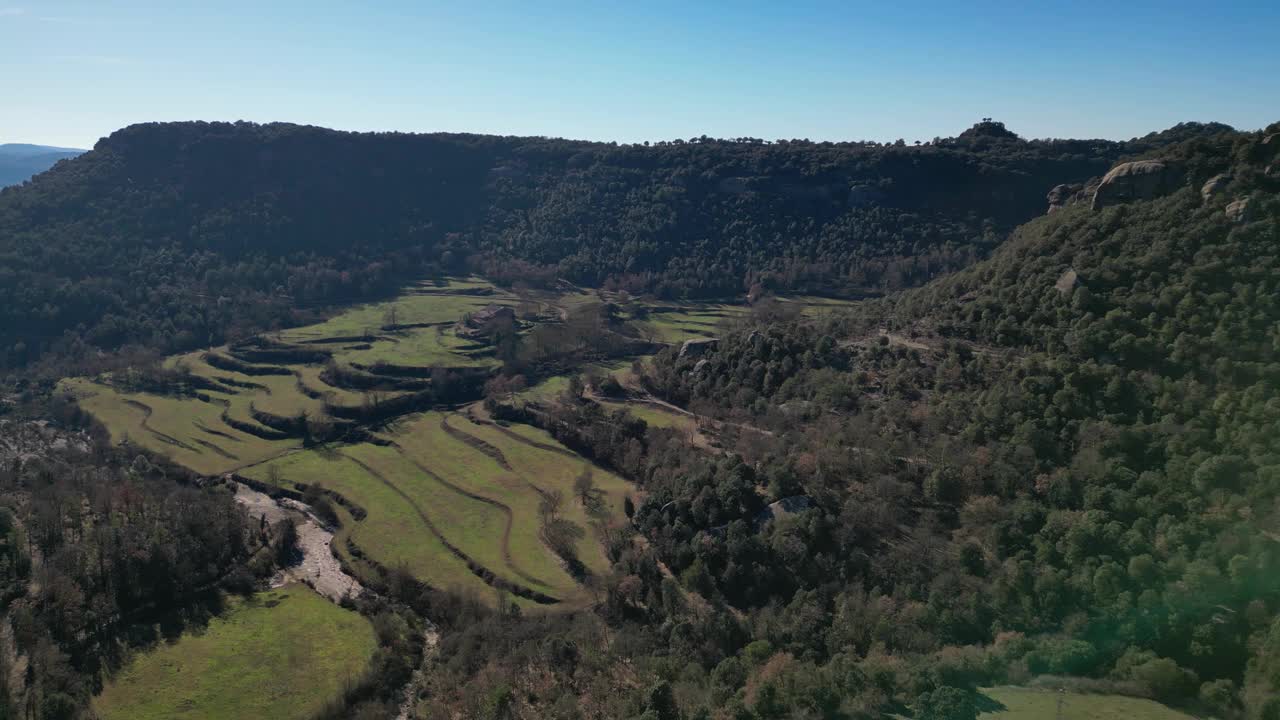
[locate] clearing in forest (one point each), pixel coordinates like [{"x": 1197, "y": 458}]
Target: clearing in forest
[
  {"x": 1022, "y": 703},
  {"x": 279, "y": 654}
]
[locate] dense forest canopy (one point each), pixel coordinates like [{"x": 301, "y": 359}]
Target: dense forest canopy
[
  {"x": 1041, "y": 445},
  {"x": 1065, "y": 454},
  {"x": 178, "y": 235}
]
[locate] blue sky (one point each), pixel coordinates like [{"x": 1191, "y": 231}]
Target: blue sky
[{"x": 71, "y": 72}]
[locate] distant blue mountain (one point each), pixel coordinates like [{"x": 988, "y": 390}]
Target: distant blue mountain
[{"x": 19, "y": 161}]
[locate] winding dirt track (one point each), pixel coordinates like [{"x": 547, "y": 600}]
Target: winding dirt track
[
  {"x": 217, "y": 449},
  {"x": 146, "y": 425},
  {"x": 507, "y": 513},
  {"x": 219, "y": 433},
  {"x": 492, "y": 451},
  {"x": 524, "y": 440},
  {"x": 476, "y": 567}
]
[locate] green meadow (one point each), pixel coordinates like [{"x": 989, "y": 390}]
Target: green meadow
[
  {"x": 452, "y": 497},
  {"x": 281, "y": 654},
  {"x": 1021, "y": 703}
]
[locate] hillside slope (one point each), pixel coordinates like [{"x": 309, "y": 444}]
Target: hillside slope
[
  {"x": 1064, "y": 455},
  {"x": 170, "y": 236}
]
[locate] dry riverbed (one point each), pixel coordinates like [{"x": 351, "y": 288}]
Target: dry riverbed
[{"x": 318, "y": 568}]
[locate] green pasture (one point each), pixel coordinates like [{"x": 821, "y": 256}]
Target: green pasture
[
  {"x": 203, "y": 442},
  {"x": 1021, "y": 703},
  {"x": 279, "y": 654},
  {"x": 423, "y": 440}
]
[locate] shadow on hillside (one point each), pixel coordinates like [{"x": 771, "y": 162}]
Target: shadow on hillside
[{"x": 987, "y": 704}]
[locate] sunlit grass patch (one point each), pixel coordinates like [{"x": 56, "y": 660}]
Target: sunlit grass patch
[
  {"x": 1022, "y": 703},
  {"x": 280, "y": 654}
]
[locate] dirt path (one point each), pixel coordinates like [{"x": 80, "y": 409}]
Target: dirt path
[
  {"x": 521, "y": 438},
  {"x": 476, "y": 568},
  {"x": 468, "y": 439},
  {"x": 651, "y": 400},
  {"x": 146, "y": 425},
  {"x": 507, "y": 513},
  {"x": 319, "y": 568}
]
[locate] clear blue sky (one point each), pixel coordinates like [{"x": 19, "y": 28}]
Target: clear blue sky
[{"x": 71, "y": 72}]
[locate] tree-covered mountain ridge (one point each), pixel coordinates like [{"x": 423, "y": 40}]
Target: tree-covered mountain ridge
[
  {"x": 1061, "y": 460},
  {"x": 174, "y": 235}
]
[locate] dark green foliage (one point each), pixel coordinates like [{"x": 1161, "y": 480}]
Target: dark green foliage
[
  {"x": 946, "y": 703},
  {"x": 174, "y": 236},
  {"x": 130, "y": 553},
  {"x": 993, "y": 457},
  {"x": 990, "y": 477}
]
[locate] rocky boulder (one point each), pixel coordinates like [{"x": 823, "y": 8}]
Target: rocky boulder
[
  {"x": 1238, "y": 210},
  {"x": 697, "y": 347},
  {"x": 1063, "y": 195},
  {"x": 865, "y": 195},
  {"x": 1215, "y": 185},
  {"x": 1067, "y": 282},
  {"x": 1138, "y": 180}
]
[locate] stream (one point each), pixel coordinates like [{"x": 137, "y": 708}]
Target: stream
[{"x": 320, "y": 569}]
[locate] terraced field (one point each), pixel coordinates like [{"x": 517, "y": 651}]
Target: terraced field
[
  {"x": 257, "y": 400},
  {"x": 675, "y": 324},
  {"x": 457, "y": 502},
  {"x": 357, "y": 404},
  {"x": 351, "y": 404},
  {"x": 671, "y": 323},
  {"x": 193, "y": 432}
]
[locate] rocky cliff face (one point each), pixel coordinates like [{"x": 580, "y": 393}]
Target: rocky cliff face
[{"x": 1138, "y": 180}]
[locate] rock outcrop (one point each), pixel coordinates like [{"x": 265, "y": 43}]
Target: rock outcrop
[
  {"x": 697, "y": 347},
  {"x": 1067, "y": 282},
  {"x": 865, "y": 195},
  {"x": 1063, "y": 195},
  {"x": 1138, "y": 180},
  {"x": 1238, "y": 210},
  {"x": 1215, "y": 185}
]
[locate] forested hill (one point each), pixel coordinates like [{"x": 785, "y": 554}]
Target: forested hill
[
  {"x": 168, "y": 236},
  {"x": 1062, "y": 460}
]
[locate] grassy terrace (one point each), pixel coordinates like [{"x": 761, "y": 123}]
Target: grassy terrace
[
  {"x": 436, "y": 490},
  {"x": 672, "y": 323},
  {"x": 188, "y": 430},
  {"x": 1022, "y": 703},
  {"x": 280, "y": 654},
  {"x": 450, "y": 496}
]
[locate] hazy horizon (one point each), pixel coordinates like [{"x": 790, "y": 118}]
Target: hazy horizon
[{"x": 76, "y": 71}]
